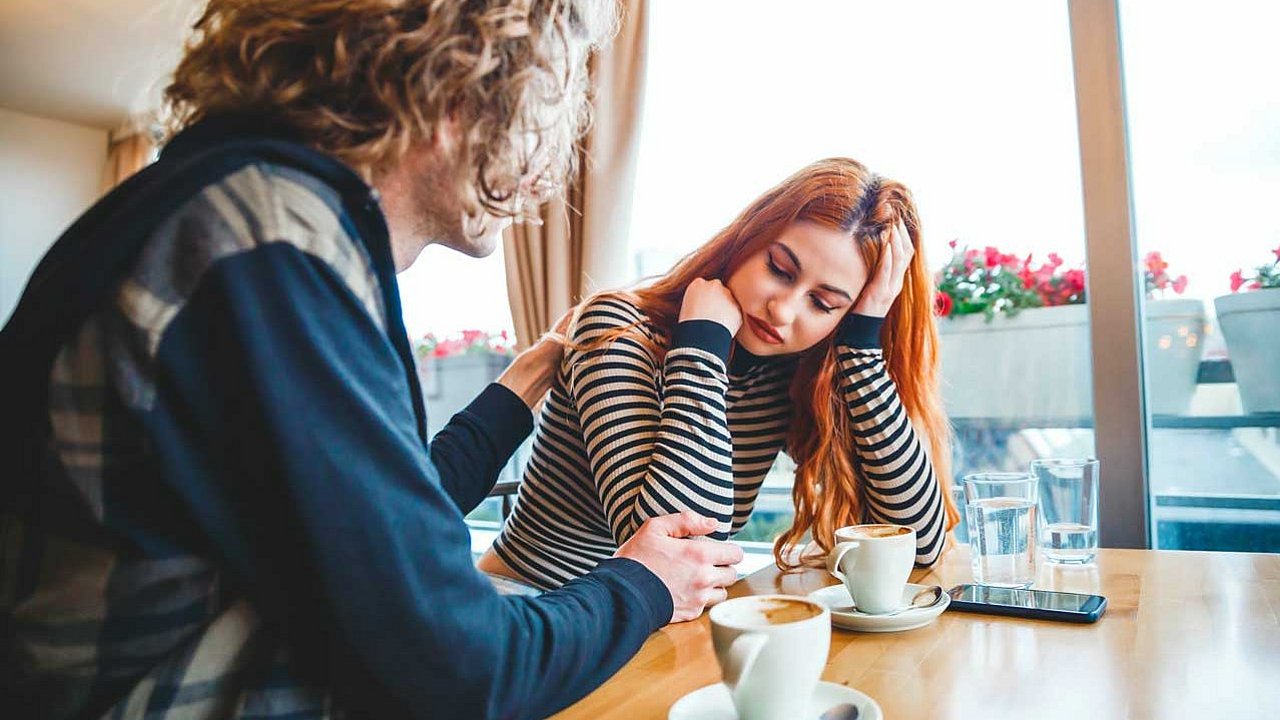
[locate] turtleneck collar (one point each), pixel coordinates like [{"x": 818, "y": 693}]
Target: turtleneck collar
[{"x": 743, "y": 361}]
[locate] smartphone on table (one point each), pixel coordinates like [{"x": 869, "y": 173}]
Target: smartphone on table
[{"x": 1036, "y": 604}]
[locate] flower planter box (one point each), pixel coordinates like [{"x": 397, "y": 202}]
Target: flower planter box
[
  {"x": 1037, "y": 364},
  {"x": 1032, "y": 365},
  {"x": 449, "y": 384},
  {"x": 1250, "y": 323}
]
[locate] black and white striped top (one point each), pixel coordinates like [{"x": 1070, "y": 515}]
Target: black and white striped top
[{"x": 623, "y": 438}]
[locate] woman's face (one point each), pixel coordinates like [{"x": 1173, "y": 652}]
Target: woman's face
[{"x": 794, "y": 292}]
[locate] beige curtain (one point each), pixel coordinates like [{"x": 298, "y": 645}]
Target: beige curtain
[
  {"x": 127, "y": 153},
  {"x": 581, "y": 245}
]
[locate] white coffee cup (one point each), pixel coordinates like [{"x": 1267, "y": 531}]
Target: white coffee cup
[
  {"x": 771, "y": 650},
  {"x": 874, "y": 561}
]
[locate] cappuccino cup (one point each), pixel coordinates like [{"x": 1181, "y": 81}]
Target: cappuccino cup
[
  {"x": 771, "y": 650},
  {"x": 874, "y": 562}
]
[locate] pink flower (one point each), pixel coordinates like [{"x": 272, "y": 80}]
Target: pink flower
[
  {"x": 952, "y": 245},
  {"x": 1155, "y": 263},
  {"x": 1180, "y": 284},
  {"x": 1075, "y": 280},
  {"x": 1237, "y": 279},
  {"x": 1055, "y": 260},
  {"x": 942, "y": 304},
  {"x": 992, "y": 257},
  {"x": 1277, "y": 252}
]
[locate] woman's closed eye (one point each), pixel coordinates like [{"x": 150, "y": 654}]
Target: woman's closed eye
[
  {"x": 788, "y": 277},
  {"x": 778, "y": 271},
  {"x": 821, "y": 306}
]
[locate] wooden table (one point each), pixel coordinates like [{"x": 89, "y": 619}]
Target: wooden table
[{"x": 1185, "y": 635}]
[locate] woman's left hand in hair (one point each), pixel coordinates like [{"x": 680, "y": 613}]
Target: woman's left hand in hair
[{"x": 886, "y": 279}]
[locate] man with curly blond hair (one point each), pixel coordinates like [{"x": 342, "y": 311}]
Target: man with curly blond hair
[{"x": 219, "y": 498}]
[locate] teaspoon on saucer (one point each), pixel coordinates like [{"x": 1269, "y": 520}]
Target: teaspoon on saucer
[{"x": 923, "y": 599}]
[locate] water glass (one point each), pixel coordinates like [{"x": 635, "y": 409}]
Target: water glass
[
  {"x": 1068, "y": 508},
  {"x": 1001, "y": 513}
]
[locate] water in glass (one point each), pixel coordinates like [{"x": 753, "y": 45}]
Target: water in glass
[
  {"x": 1002, "y": 541},
  {"x": 1068, "y": 492},
  {"x": 1069, "y": 542}
]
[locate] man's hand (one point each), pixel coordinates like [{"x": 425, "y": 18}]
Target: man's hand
[
  {"x": 696, "y": 572},
  {"x": 531, "y": 373}
]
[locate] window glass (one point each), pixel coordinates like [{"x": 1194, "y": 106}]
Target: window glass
[{"x": 1205, "y": 163}]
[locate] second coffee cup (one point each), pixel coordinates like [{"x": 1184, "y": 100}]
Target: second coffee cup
[{"x": 875, "y": 562}]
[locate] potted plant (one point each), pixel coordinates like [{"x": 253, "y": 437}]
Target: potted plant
[
  {"x": 1028, "y": 325},
  {"x": 1250, "y": 322},
  {"x": 455, "y": 368},
  {"x": 1021, "y": 325}
]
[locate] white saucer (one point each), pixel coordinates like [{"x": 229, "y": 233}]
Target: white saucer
[
  {"x": 713, "y": 703},
  {"x": 844, "y": 615}
]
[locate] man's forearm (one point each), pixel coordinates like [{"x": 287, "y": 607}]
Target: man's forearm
[{"x": 472, "y": 449}]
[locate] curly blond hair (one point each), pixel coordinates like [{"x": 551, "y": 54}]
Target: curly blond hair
[{"x": 366, "y": 80}]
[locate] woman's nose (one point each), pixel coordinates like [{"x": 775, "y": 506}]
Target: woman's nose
[{"x": 781, "y": 311}]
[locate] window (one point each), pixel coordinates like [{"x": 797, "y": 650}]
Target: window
[
  {"x": 978, "y": 121},
  {"x": 457, "y": 333}
]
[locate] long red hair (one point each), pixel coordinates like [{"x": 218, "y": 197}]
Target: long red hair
[{"x": 837, "y": 193}]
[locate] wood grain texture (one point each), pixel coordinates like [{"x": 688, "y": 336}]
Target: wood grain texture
[{"x": 1185, "y": 635}]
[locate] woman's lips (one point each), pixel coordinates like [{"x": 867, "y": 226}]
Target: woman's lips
[{"x": 763, "y": 331}]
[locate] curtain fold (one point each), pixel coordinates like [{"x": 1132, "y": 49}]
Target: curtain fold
[
  {"x": 581, "y": 245},
  {"x": 128, "y": 151}
]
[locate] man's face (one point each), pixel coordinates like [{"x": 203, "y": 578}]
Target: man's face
[{"x": 435, "y": 212}]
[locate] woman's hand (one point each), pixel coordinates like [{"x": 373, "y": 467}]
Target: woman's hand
[
  {"x": 531, "y": 373},
  {"x": 711, "y": 300},
  {"x": 886, "y": 281}
]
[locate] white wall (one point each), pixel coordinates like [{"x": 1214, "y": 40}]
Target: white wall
[{"x": 50, "y": 172}]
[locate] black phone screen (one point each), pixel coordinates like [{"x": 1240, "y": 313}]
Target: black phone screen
[{"x": 1026, "y": 599}]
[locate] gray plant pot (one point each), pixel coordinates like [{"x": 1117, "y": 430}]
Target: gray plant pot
[
  {"x": 1173, "y": 335},
  {"x": 449, "y": 384},
  {"x": 1032, "y": 365},
  {"x": 1037, "y": 364},
  {"x": 1250, "y": 323}
]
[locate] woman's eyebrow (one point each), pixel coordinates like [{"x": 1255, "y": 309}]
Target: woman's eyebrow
[
  {"x": 824, "y": 286},
  {"x": 836, "y": 290}
]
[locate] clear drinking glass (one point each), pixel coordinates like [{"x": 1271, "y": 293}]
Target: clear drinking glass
[
  {"x": 1068, "y": 508},
  {"x": 1001, "y": 513}
]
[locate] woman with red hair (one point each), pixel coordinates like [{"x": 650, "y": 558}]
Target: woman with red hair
[{"x": 806, "y": 325}]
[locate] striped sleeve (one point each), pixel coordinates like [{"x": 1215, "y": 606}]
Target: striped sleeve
[
  {"x": 902, "y": 487},
  {"x": 657, "y": 439}
]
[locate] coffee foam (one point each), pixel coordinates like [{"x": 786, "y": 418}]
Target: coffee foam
[
  {"x": 874, "y": 531},
  {"x": 771, "y": 611}
]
